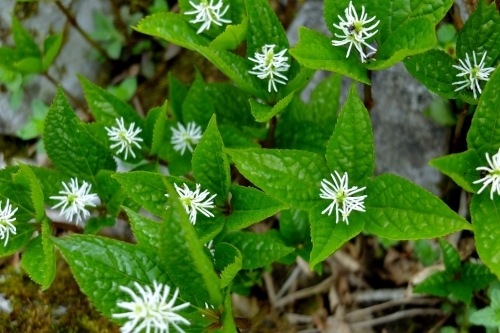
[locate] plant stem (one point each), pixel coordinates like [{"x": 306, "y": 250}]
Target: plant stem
[
  {"x": 269, "y": 143},
  {"x": 459, "y": 127},
  {"x": 368, "y": 100},
  {"x": 71, "y": 18},
  {"x": 70, "y": 95},
  {"x": 119, "y": 21}
]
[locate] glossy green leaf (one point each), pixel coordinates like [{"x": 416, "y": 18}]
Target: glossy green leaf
[
  {"x": 146, "y": 231},
  {"x": 461, "y": 168},
  {"x": 399, "y": 209},
  {"x": 294, "y": 227},
  {"x": 257, "y": 250},
  {"x": 315, "y": 50},
  {"x": 230, "y": 104},
  {"x": 324, "y": 102},
  {"x": 69, "y": 146},
  {"x": 210, "y": 164},
  {"x": 35, "y": 189},
  {"x": 145, "y": 188},
  {"x": 451, "y": 258},
  {"x": 249, "y": 206},
  {"x": 95, "y": 224},
  {"x": 327, "y": 235},
  {"x": 155, "y": 127},
  {"x": 173, "y": 28},
  {"x": 488, "y": 316},
  {"x": 197, "y": 106},
  {"x": 232, "y": 36},
  {"x": 434, "y": 69},
  {"x": 50, "y": 181},
  {"x": 106, "y": 107},
  {"x": 177, "y": 92},
  {"x": 264, "y": 113},
  {"x": 29, "y": 65},
  {"x": 111, "y": 193},
  {"x": 183, "y": 256},
  {"x": 208, "y": 227},
  {"x": 481, "y": 33},
  {"x": 18, "y": 241},
  {"x": 484, "y": 134},
  {"x": 102, "y": 265},
  {"x": 485, "y": 214},
  {"x": 228, "y": 324},
  {"x": 291, "y": 176},
  {"x": 17, "y": 194},
  {"x": 350, "y": 148},
  {"x": 228, "y": 261},
  {"x": 51, "y": 47},
  {"x": 415, "y": 36},
  {"x": 26, "y": 46},
  {"x": 236, "y": 139}
]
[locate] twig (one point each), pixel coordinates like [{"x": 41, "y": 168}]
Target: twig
[
  {"x": 438, "y": 325},
  {"x": 70, "y": 95},
  {"x": 295, "y": 318},
  {"x": 269, "y": 143},
  {"x": 289, "y": 281},
  {"x": 395, "y": 317},
  {"x": 367, "y": 88},
  {"x": 119, "y": 21},
  {"x": 458, "y": 127},
  {"x": 71, "y": 18},
  {"x": 378, "y": 295},
  {"x": 352, "y": 316},
  {"x": 306, "y": 292},
  {"x": 310, "y": 330},
  {"x": 271, "y": 293}
]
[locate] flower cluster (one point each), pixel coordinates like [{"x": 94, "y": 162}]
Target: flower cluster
[
  {"x": 194, "y": 201},
  {"x": 150, "y": 311},
  {"x": 185, "y": 137},
  {"x": 124, "y": 138},
  {"x": 355, "y": 31},
  {"x": 6, "y": 219},
  {"x": 472, "y": 74},
  {"x": 208, "y": 13},
  {"x": 74, "y": 199},
  {"x": 493, "y": 176},
  {"x": 343, "y": 200},
  {"x": 269, "y": 65}
]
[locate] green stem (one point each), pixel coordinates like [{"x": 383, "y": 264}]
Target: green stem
[{"x": 367, "y": 89}]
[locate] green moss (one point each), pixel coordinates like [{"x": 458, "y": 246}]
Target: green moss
[{"x": 35, "y": 310}]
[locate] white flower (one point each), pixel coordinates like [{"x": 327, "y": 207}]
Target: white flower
[
  {"x": 472, "y": 74},
  {"x": 74, "y": 200},
  {"x": 269, "y": 65},
  {"x": 341, "y": 194},
  {"x": 208, "y": 13},
  {"x": 124, "y": 138},
  {"x": 150, "y": 310},
  {"x": 6, "y": 219},
  {"x": 193, "y": 201},
  {"x": 493, "y": 176},
  {"x": 354, "y": 31},
  {"x": 185, "y": 137}
]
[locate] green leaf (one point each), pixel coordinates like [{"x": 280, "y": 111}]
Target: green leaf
[
  {"x": 235, "y": 68},
  {"x": 106, "y": 107},
  {"x": 481, "y": 33},
  {"x": 324, "y": 102},
  {"x": 327, "y": 235},
  {"x": 249, "y": 206},
  {"x": 236, "y": 139},
  {"x": 146, "y": 231},
  {"x": 228, "y": 324},
  {"x": 258, "y": 250},
  {"x": 177, "y": 93},
  {"x": 228, "y": 261},
  {"x": 451, "y": 258},
  {"x": 294, "y": 227},
  {"x": 69, "y": 146},
  {"x": 173, "y": 28},
  {"x": 110, "y": 192},
  {"x": 473, "y": 277},
  {"x": 102, "y": 265},
  {"x": 18, "y": 241},
  {"x": 155, "y": 128},
  {"x": 26, "y": 46},
  {"x": 415, "y": 36},
  {"x": 350, "y": 148},
  {"x": 485, "y": 216},
  {"x": 461, "y": 168},
  {"x": 399, "y": 209},
  {"x": 197, "y": 106},
  {"x": 183, "y": 256},
  {"x": 291, "y": 176},
  {"x": 489, "y": 317},
  {"x": 17, "y": 194},
  {"x": 314, "y": 50},
  {"x": 51, "y": 47},
  {"x": 232, "y": 37},
  {"x": 230, "y": 104},
  {"x": 210, "y": 164},
  {"x": 145, "y": 188},
  {"x": 434, "y": 69},
  {"x": 484, "y": 134},
  {"x": 50, "y": 181},
  {"x": 95, "y": 224},
  {"x": 29, "y": 65},
  {"x": 264, "y": 113},
  {"x": 208, "y": 227},
  {"x": 35, "y": 189}
]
